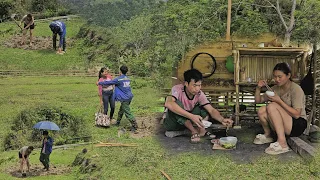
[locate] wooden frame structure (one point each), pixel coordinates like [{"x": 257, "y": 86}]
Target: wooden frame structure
[{"x": 259, "y": 63}]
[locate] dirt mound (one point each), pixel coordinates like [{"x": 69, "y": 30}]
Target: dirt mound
[
  {"x": 148, "y": 125},
  {"x": 37, "y": 170},
  {"x": 39, "y": 43}
]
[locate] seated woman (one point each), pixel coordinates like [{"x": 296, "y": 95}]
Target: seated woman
[{"x": 285, "y": 114}]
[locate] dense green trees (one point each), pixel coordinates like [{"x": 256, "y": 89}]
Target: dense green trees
[
  {"x": 152, "y": 40},
  {"x": 307, "y": 27}
]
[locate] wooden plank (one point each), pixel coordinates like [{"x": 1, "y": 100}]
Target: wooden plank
[{"x": 301, "y": 147}]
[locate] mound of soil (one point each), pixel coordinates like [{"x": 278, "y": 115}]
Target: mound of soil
[
  {"x": 39, "y": 43},
  {"x": 37, "y": 170},
  {"x": 148, "y": 126}
]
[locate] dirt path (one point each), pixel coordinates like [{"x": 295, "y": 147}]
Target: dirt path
[
  {"x": 39, "y": 43},
  {"x": 37, "y": 170}
]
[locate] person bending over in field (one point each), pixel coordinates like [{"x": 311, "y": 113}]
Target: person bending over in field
[
  {"x": 24, "y": 157},
  {"x": 28, "y": 23}
]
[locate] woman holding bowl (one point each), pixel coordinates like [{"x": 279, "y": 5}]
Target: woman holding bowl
[{"x": 285, "y": 114}]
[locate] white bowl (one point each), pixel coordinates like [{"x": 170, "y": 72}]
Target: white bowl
[
  {"x": 270, "y": 93},
  {"x": 206, "y": 123},
  {"x": 228, "y": 142}
]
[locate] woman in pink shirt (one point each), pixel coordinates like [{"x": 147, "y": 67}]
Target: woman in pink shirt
[{"x": 106, "y": 92}]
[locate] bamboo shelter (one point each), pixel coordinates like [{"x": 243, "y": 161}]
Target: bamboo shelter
[
  {"x": 232, "y": 92},
  {"x": 254, "y": 64}
]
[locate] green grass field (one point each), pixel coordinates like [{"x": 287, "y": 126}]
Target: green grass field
[
  {"x": 78, "y": 96},
  {"x": 44, "y": 59}
]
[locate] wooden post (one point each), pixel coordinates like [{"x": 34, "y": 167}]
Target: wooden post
[
  {"x": 228, "y": 20},
  {"x": 236, "y": 55},
  {"x": 310, "y": 119},
  {"x": 303, "y": 65}
]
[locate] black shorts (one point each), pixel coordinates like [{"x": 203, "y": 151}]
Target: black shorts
[
  {"x": 20, "y": 156},
  {"x": 298, "y": 126},
  {"x": 31, "y": 26}
]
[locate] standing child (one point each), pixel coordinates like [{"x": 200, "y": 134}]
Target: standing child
[
  {"x": 24, "y": 157},
  {"x": 28, "y": 23},
  {"x": 124, "y": 95},
  {"x": 106, "y": 92},
  {"x": 46, "y": 150}
]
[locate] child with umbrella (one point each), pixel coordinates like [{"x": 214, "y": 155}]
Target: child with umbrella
[
  {"x": 46, "y": 150},
  {"x": 47, "y": 141}
]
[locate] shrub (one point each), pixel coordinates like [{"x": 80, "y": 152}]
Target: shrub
[
  {"x": 63, "y": 11},
  {"x": 138, "y": 83},
  {"x": 5, "y": 7},
  {"x": 48, "y": 13},
  {"x": 41, "y": 5},
  {"x": 22, "y": 131}
]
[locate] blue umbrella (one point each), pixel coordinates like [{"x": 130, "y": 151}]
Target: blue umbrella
[{"x": 47, "y": 125}]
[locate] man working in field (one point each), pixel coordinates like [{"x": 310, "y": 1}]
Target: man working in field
[
  {"x": 185, "y": 105},
  {"x": 58, "y": 27}
]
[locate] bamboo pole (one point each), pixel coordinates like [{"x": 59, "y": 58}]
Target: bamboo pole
[
  {"x": 237, "y": 73},
  {"x": 228, "y": 21},
  {"x": 115, "y": 145},
  {"x": 165, "y": 175}
]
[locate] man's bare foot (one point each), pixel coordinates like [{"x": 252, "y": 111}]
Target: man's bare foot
[
  {"x": 195, "y": 138},
  {"x": 202, "y": 131}
]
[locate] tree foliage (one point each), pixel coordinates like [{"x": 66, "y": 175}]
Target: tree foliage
[
  {"x": 247, "y": 20},
  {"x": 153, "y": 40},
  {"x": 307, "y": 27},
  {"x": 42, "y": 5},
  {"x": 109, "y": 13},
  {"x": 5, "y": 7}
]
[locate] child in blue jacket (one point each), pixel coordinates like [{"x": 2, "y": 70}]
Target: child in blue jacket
[
  {"x": 123, "y": 94},
  {"x": 58, "y": 27},
  {"x": 46, "y": 150}
]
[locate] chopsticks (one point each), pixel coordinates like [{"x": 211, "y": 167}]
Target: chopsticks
[{"x": 268, "y": 87}]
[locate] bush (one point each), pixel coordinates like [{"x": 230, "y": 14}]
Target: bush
[
  {"x": 63, "y": 11},
  {"x": 41, "y": 5},
  {"x": 138, "y": 83},
  {"x": 48, "y": 13},
  {"x": 5, "y": 7},
  {"x": 22, "y": 131}
]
